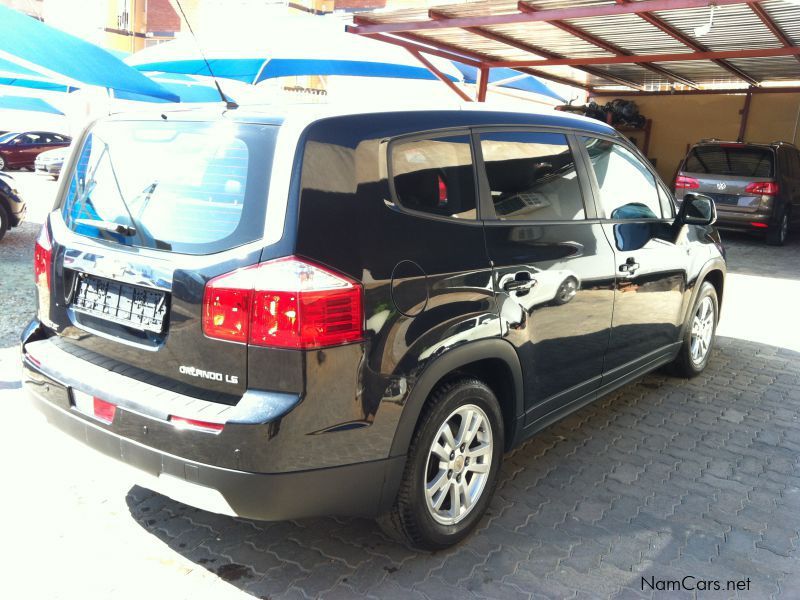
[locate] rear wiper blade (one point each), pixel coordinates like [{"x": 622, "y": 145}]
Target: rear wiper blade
[{"x": 110, "y": 226}]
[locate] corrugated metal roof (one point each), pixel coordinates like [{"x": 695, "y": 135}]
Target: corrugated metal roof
[{"x": 736, "y": 27}]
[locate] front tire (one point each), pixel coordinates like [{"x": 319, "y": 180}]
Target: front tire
[
  {"x": 452, "y": 467},
  {"x": 698, "y": 339}
]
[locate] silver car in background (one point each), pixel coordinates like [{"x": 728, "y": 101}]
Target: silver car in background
[
  {"x": 756, "y": 187},
  {"x": 49, "y": 163}
]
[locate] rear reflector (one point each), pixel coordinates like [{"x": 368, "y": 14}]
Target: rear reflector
[
  {"x": 284, "y": 303},
  {"x": 207, "y": 426},
  {"x": 43, "y": 260},
  {"x": 686, "y": 183},
  {"x": 763, "y": 188},
  {"x": 759, "y": 225},
  {"x": 104, "y": 411}
]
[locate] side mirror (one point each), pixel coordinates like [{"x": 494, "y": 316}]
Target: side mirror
[{"x": 697, "y": 209}]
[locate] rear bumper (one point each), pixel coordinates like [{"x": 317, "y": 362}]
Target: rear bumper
[
  {"x": 742, "y": 221},
  {"x": 349, "y": 490},
  {"x": 216, "y": 472}
]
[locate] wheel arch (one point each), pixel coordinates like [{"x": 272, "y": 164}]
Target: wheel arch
[
  {"x": 714, "y": 272},
  {"x": 493, "y": 361}
]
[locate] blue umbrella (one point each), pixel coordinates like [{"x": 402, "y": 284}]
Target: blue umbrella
[
  {"x": 38, "y": 48},
  {"x": 516, "y": 80},
  {"x": 27, "y": 103}
]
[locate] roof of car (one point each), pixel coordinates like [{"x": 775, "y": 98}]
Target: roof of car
[{"x": 309, "y": 113}]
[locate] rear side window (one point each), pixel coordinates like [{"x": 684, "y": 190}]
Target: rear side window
[
  {"x": 435, "y": 176},
  {"x": 627, "y": 188},
  {"x": 731, "y": 159},
  {"x": 532, "y": 176},
  {"x": 193, "y": 188}
]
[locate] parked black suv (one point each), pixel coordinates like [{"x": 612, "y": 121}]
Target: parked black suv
[
  {"x": 756, "y": 187},
  {"x": 357, "y": 314}
]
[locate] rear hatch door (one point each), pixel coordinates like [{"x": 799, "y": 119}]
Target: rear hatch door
[
  {"x": 150, "y": 211},
  {"x": 724, "y": 171}
]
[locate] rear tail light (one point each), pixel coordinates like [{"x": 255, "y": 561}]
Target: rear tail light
[
  {"x": 184, "y": 423},
  {"x": 759, "y": 225},
  {"x": 686, "y": 183},
  {"x": 285, "y": 303},
  {"x": 43, "y": 259},
  {"x": 762, "y": 188}
]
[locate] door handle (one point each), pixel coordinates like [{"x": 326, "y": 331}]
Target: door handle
[
  {"x": 521, "y": 282},
  {"x": 630, "y": 266}
]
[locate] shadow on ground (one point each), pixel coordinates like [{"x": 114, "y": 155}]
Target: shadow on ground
[
  {"x": 750, "y": 255},
  {"x": 664, "y": 478}
]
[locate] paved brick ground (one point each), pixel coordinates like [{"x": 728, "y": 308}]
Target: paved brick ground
[{"x": 665, "y": 478}]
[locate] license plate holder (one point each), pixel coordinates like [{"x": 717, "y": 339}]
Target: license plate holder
[{"x": 140, "y": 308}]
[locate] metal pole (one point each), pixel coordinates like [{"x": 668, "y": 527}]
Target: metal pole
[{"x": 745, "y": 112}]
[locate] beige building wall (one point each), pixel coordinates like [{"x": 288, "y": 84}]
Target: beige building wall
[{"x": 682, "y": 120}]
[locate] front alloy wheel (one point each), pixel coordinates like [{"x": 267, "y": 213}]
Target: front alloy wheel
[
  {"x": 2, "y": 163},
  {"x": 699, "y": 332},
  {"x": 702, "y": 330},
  {"x": 452, "y": 466}
]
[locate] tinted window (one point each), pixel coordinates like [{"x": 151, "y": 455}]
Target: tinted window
[
  {"x": 435, "y": 176},
  {"x": 627, "y": 188},
  {"x": 194, "y": 188},
  {"x": 732, "y": 159},
  {"x": 532, "y": 176}
]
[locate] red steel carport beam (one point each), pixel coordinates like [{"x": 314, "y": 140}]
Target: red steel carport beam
[
  {"x": 771, "y": 25},
  {"x": 608, "y": 46},
  {"x": 440, "y": 76},
  {"x": 509, "y": 41},
  {"x": 690, "y": 43},
  {"x": 649, "y": 58},
  {"x": 557, "y": 14},
  {"x": 449, "y": 52}
]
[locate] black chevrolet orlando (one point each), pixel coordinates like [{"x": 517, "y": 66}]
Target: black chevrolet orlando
[{"x": 280, "y": 316}]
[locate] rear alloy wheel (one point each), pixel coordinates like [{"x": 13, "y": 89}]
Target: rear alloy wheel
[
  {"x": 699, "y": 336},
  {"x": 452, "y": 467},
  {"x": 776, "y": 236}
]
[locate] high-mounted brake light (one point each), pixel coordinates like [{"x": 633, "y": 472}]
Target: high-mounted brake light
[
  {"x": 686, "y": 183},
  {"x": 762, "y": 188},
  {"x": 284, "y": 303},
  {"x": 43, "y": 259}
]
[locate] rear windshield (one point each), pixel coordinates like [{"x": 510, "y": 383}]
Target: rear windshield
[
  {"x": 193, "y": 188},
  {"x": 742, "y": 161}
]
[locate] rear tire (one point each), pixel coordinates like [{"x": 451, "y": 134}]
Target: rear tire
[
  {"x": 452, "y": 467},
  {"x": 698, "y": 340},
  {"x": 4, "y": 221},
  {"x": 776, "y": 236}
]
